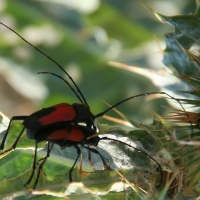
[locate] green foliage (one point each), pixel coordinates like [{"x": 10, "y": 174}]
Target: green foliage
[
  {"x": 182, "y": 41},
  {"x": 182, "y": 56}
]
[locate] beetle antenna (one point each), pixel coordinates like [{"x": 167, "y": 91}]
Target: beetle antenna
[
  {"x": 132, "y": 97},
  {"x": 58, "y": 65},
  {"x": 140, "y": 151},
  {"x": 53, "y": 74}
]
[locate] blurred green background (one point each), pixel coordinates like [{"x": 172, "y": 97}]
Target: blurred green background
[{"x": 82, "y": 36}]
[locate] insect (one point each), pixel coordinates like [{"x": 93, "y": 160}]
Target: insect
[{"x": 66, "y": 124}]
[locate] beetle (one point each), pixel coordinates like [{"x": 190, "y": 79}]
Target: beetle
[
  {"x": 64, "y": 136},
  {"x": 58, "y": 123}
]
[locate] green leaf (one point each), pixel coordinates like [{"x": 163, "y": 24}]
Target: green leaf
[{"x": 184, "y": 37}]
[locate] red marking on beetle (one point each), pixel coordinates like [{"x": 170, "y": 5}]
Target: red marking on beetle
[
  {"x": 62, "y": 112},
  {"x": 75, "y": 135}
]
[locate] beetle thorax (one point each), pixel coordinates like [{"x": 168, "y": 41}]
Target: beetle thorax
[{"x": 83, "y": 114}]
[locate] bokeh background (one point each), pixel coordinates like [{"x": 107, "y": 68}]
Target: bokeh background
[{"x": 83, "y": 36}]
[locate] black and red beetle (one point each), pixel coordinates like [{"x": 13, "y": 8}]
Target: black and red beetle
[{"x": 65, "y": 124}]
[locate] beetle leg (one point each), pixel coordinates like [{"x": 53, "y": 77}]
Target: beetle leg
[
  {"x": 68, "y": 133},
  {"x": 43, "y": 160},
  {"x": 34, "y": 165},
  {"x": 95, "y": 151},
  {"x": 15, "y": 118},
  {"x": 14, "y": 145},
  {"x": 70, "y": 171}
]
